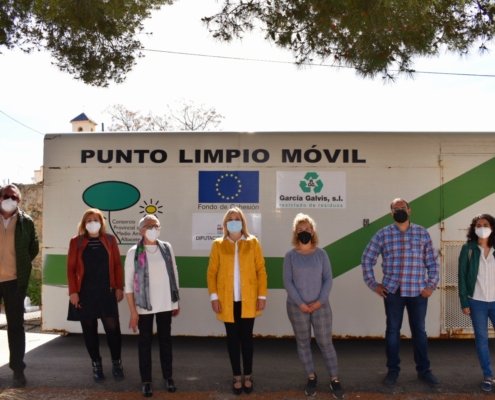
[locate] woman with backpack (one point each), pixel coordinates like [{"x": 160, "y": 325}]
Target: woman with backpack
[{"x": 94, "y": 276}]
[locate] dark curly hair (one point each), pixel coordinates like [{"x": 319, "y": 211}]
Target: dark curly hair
[{"x": 471, "y": 235}]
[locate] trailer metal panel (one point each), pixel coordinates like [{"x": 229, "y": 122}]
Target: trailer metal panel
[{"x": 350, "y": 178}]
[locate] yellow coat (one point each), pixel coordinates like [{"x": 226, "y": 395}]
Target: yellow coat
[{"x": 220, "y": 276}]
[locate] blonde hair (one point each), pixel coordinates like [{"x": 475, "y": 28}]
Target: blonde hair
[
  {"x": 304, "y": 218},
  {"x": 81, "y": 228},
  {"x": 243, "y": 220}
]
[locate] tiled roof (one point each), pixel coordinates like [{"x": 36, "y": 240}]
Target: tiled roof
[{"x": 83, "y": 117}]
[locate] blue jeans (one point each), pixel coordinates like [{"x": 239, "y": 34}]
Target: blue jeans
[
  {"x": 416, "y": 310},
  {"x": 480, "y": 312}
]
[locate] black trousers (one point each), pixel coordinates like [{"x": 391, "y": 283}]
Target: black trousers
[
  {"x": 164, "y": 327},
  {"x": 14, "y": 311},
  {"x": 240, "y": 339},
  {"x": 92, "y": 341}
]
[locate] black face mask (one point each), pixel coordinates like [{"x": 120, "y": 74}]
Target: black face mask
[
  {"x": 401, "y": 216},
  {"x": 304, "y": 237}
]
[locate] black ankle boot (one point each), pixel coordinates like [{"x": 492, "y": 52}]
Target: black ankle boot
[
  {"x": 146, "y": 389},
  {"x": 98, "y": 371},
  {"x": 117, "y": 370}
]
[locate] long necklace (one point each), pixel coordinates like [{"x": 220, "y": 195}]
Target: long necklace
[{"x": 151, "y": 252}]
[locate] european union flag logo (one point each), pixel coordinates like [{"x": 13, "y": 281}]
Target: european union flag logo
[{"x": 229, "y": 186}]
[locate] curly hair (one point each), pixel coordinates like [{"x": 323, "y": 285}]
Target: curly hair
[
  {"x": 304, "y": 218},
  {"x": 471, "y": 235}
]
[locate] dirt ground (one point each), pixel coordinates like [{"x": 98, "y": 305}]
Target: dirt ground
[{"x": 44, "y": 393}]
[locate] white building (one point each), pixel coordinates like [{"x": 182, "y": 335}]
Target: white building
[{"x": 82, "y": 123}]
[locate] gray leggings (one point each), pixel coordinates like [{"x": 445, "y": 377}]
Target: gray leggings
[{"x": 321, "y": 320}]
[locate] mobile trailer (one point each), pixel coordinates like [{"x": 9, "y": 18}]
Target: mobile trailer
[{"x": 344, "y": 180}]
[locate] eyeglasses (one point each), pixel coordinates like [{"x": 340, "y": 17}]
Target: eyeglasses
[
  {"x": 399, "y": 209},
  {"x": 152, "y": 226},
  {"x": 13, "y": 197}
]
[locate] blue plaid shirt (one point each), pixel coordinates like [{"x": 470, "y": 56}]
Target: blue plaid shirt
[{"x": 409, "y": 260}]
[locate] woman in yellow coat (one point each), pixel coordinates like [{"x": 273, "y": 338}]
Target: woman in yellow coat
[{"x": 237, "y": 283}]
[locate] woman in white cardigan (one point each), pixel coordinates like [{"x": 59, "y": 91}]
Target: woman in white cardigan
[{"x": 152, "y": 290}]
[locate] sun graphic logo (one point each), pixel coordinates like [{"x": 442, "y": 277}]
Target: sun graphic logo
[
  {"x": 150, "y": 208},
  {"x": 228, "y": 186},
  {"x": 311, "y": 181}
]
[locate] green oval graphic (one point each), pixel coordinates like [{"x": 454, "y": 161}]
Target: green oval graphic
[{"x": 111, "y": 195}]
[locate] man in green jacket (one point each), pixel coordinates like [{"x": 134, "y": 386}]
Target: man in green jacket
[{"x": 18, "y": 247}]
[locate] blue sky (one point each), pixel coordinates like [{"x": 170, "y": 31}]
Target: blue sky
[{"x": 253, "y": 96}]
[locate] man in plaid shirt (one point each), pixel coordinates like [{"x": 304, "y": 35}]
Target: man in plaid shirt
[{"x": 410, "y": 274}]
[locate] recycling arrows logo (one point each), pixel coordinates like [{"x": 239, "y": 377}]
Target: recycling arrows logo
[{"x": 311, "y": 181}]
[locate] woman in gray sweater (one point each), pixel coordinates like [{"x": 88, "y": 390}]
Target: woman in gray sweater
[{"x": 308, "y": 280}]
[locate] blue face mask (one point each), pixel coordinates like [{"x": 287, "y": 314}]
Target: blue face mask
[{"x": 234, "y": 226}]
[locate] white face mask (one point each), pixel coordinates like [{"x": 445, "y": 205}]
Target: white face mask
[
  {"x": 9, "y": 205},
  {"x": 93, "y": 227},
  {"x": 152, "y": 234},
  {"x": 483, "y": 232}
]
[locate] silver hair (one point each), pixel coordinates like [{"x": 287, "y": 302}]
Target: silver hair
[
  {"x": 147, "y": 217},
  {"x": 13, "y": 187},
  {"x": 397, "y": 200}
]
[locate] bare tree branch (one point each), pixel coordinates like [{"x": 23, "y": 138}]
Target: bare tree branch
[{"x": 185, "y": 116}]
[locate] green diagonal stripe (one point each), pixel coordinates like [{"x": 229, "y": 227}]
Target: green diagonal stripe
[
  {"x": 345, "y": 253},
  {"x": 456, "y": 195}
]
